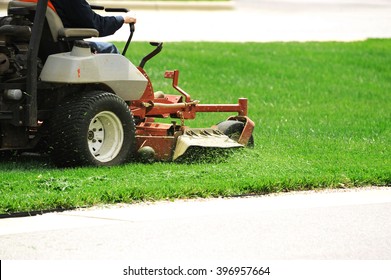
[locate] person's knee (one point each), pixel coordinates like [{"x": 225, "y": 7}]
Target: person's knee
[{"x": 103, "y": 47}]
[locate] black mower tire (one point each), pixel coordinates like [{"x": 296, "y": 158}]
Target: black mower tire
[
  {"x": 94, "y": 128},
  {"x": 7, "y": 155},
  {"x": 233, "y": 129}
]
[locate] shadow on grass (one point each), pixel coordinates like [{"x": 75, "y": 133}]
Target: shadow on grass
[
  {"x": 24, "y": 161},
  {"x": 34, "y": 213},
  {"x": 35, "y": 161}
]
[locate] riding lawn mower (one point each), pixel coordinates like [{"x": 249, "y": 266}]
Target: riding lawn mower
[{"x": 82, "y": 108}]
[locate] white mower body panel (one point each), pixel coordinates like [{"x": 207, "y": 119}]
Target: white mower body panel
[{"x": 80, "y": 66}]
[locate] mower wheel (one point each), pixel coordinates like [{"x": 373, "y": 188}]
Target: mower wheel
[
  {"x": 95, "y": 128},
  {"x": 233, "y": 129}
]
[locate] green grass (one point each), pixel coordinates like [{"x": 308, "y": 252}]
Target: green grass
[{"x": 322, "y": 114}]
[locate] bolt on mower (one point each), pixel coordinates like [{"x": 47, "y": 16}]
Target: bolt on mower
[{"x": 95, "y": 109}]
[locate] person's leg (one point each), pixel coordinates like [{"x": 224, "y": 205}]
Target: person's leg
[{"x": 103, "y": 47}]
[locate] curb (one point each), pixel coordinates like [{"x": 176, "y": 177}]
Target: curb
[
  {"x": 168, "y": 5},
  {"x": 159, "y": 5}
]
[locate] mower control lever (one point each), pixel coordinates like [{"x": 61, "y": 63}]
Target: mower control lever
[
  {"x": 131, "y": 25},
  {"x": 116, "y": 10},
  {"x": 132, "y": 29},
  {"x": 96, "y": 7},
  {"x": 159, "y": 46}
]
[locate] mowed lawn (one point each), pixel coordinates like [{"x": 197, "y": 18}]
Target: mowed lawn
[{"x": 322, "y": 114}]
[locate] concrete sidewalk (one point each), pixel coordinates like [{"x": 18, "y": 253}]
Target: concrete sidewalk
[{"x": 323, "y": 225}]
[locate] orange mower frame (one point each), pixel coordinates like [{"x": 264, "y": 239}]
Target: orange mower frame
[{"x": 162, "y": 137}]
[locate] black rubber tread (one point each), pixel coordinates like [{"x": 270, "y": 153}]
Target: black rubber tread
[
  {"x": 233, "y": 129},
  {"x": 7, "y": 155},
  {"x": 69, "y": 129}
]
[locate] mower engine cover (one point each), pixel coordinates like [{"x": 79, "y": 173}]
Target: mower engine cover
[{"x": 80, "y": 66}]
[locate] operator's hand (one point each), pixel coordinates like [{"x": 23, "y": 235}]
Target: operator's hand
[{"x": 129, "y": 17}]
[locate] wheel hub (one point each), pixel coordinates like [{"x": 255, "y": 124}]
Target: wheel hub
[
  {"x": 105, "y": 136},
  {"x": 90, "y": 135}
]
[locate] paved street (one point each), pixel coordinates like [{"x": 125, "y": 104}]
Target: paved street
[{"x": 265, "y": 21}]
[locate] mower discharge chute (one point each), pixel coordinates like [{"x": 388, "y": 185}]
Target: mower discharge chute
[{"x": 95, "y": 109}]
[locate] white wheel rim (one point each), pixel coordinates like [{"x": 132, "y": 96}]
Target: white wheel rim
[{"x": 105, "y": 136}]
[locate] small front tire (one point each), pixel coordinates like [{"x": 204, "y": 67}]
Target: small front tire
[{"x": 233, "y": 129}]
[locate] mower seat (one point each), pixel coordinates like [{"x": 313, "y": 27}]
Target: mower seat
[{"x": 57, "y": 29}]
